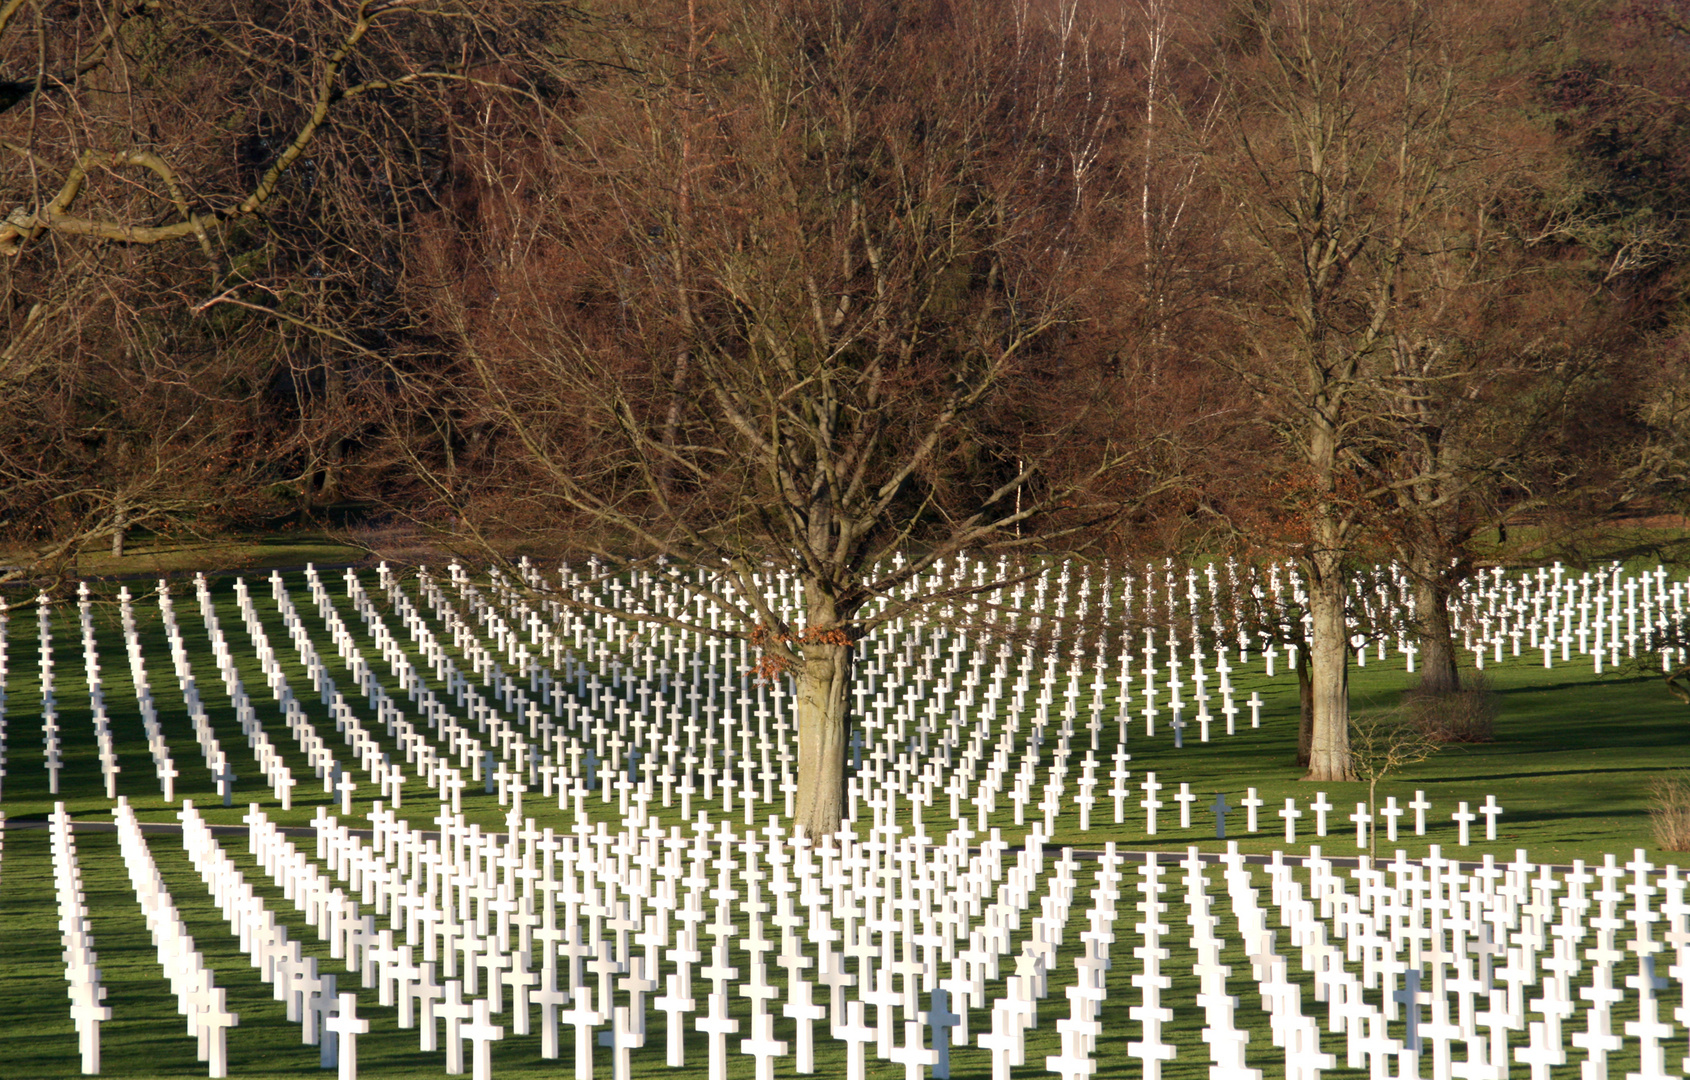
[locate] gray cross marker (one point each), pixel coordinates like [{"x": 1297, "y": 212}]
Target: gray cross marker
[
  {"x": 226, "y": 781},
  {"x": 942, "y": 1020},
  {"x": 1409, "y": 997},
  {"x": 487, "y": 771},
  {"x": 1220, "y": 808}
]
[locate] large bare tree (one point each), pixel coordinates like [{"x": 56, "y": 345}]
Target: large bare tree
[
  {"x": 814, "y": 302},
  {"x": 1340, "y": 118}
]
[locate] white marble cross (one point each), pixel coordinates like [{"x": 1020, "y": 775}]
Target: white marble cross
[
  {"x": 224, "y": 774},
  {"x": 346, "y": 1026},
  {"x": 1391, "y": 812},
  {"x": 1321, "y": 808},
  {"x": 717, "y": 1025},
  {"x": 856, "y": 1035},
  {"x": 1150, "y": 802},
  {"x": 583, "y": 1018},
  {"x": 762, "y": 1044},
  {"x": 943, "y": 1021},
  {"x": 1251, "y": 803},
  {"x": 1464, "y": 819},
  {"x": 1491, "y": 811},
  {"x": 88, "y": 1014},
  {"x": 214, "y": 1022},
  {"x": 454, "y": 1010},
  {"x": 799, "y": 1007},
  {"x": 1419, "y": 805},
  {"x": 915, "y": 1057},
  {"x": 1290, "y": 813},
  {"x": 1185, "y": 798},
  {"x": 482, "y": 1033}
]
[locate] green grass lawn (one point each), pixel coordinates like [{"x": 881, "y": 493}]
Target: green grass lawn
[
  {"x": 175, "y": 555},
  {"x": 1571, "y": 763}
]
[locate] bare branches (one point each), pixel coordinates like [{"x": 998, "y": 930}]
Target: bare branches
[
  {"x": 873, "y": 345},
  {"x": 1382, "y": 744},
  {"x": 55, "y": 215},
  {"x": 168, "y": 144}
]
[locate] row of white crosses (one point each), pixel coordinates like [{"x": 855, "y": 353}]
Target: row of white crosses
[
  {"x": 277, "y": 776},
  {"x": 986, "y": 795},
  {"x": 461, "y": 743},
  {"x": 364, "y": 748},
  {"x": 630, "y": 724},
  {"x": 985, "y": 801},
  {"x": 1120, "y": 791},
  {"x": 52, "y": 747},
  {"x": 163, "y": 767},
  {"x": 1290, "y": 814},
  {"x": 528, "y": 764},
  {"x": 1496, "y": 616},
  {"x": 1391, "y": 595},
  {"x": 404, "y": 977},
  {"x": 82, "y": 973},
  {"x": 1431, "y": 941},
  {"x": 1509, "y": 913},
  {"x": 889, "y": 781},
  {"x": 205, "y": 735},
  {"x": 202, "y": 1003},
  {"x": 1648, "y": 603},
  {"x": 889, "y": 764},
  {"x": 612, "y": 754},
  {"x": 1599, "y": 615},
  {"x": 1126, "y": 656},
  {"x": 4, "y": 619},
  {"x": 104, "y": 748},
  {"x": 593, "y": 920}
]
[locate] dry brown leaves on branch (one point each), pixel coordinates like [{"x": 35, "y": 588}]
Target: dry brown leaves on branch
[{"x": 776, "y": 647}]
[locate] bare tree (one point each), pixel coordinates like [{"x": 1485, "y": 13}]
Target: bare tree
[
  {"x": 814, "y": 306},
  {"x": 1341, "y": 121},
  {"x": 1384, "y": 742}
]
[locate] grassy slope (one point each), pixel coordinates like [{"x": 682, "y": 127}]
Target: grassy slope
[{"x": 157, "y": 556}]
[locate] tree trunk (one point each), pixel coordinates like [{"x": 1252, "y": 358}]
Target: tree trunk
[
  {"x": 1305, "y": 700},
  {"x": 329, "y": 475},
  {"x": 1438, "y": 673},
  {"x": 824, "y": 683},
  {"x": 1329, "y": 646},
  {"x": 120, "y": 526},
  {"x": 323, "y": 489}
]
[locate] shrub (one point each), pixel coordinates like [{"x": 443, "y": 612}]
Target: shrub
[
  {"x": 1669, "y": 811},
  {"x": 1466, "y": 716}
]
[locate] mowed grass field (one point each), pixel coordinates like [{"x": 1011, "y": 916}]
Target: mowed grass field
[{"x": 1571, "y": 763}]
